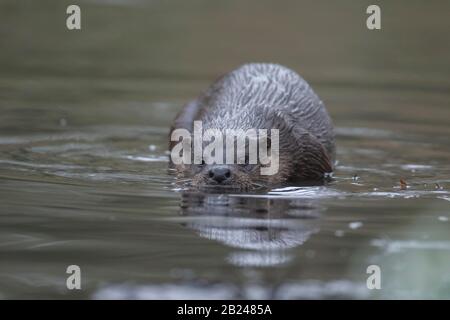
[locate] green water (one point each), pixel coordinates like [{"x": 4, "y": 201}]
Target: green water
[{"x": 83, "y": 166}]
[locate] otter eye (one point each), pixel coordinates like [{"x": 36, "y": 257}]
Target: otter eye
[{"x": 248, "y": 167}]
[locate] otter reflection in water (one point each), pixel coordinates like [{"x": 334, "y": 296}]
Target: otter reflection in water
[{"x": 262, "y": 229}]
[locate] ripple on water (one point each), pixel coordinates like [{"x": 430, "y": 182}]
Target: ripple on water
[
  {"x": 394, "y": 246},
  {"x": 286, "y": 291}
]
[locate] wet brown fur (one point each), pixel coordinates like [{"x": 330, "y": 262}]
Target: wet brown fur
[{"x": 264, "y": 96}]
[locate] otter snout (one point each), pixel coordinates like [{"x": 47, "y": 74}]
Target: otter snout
[{"x": 219, "y": 174}]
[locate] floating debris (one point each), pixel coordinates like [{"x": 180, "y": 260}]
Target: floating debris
[{"x": 403, "y": 184}]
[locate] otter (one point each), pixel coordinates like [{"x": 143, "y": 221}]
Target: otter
[{"x": 264, "y": 96}]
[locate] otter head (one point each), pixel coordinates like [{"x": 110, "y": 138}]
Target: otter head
[
  {"x": 246, "y": 159},
  {"x": 233, "y": 159}
]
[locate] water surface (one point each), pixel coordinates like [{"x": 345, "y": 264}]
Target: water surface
[{"x": 83, "y": 152}]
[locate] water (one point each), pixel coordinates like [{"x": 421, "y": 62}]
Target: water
[{"x": 83, "y": 164}]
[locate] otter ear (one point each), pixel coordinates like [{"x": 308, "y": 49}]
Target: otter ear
[{"x": 314, "y": 161}]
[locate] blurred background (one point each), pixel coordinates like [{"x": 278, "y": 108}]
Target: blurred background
[{"x": 84, "y": 118}]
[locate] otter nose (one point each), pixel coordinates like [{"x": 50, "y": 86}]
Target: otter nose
[{"x": 219, "y": 174}]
